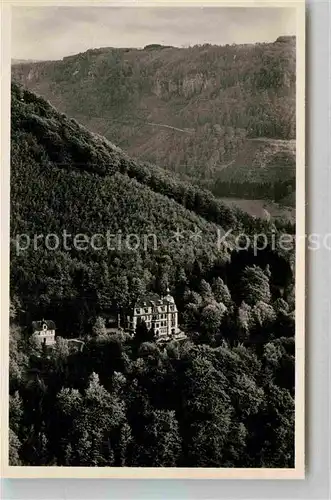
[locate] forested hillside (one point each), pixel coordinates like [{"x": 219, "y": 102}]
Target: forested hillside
[
  {"x": 224, "y": 397},
  {"x": 194, "y": 111}
]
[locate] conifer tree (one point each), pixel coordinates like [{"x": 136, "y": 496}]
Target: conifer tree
[
  {"x": 99, "y": 327},
  {"x": 221, "y": 292},
  {"x": 255, "y": 286}
]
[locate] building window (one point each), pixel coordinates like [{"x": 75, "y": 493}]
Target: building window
[
  {"x": 138, "y": 311},
  {"x": 146, "y": 311}
]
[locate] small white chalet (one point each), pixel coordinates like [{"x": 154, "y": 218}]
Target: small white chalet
[{"x": 44, "y": 331}]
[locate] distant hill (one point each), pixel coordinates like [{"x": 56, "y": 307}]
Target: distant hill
[
  {"x": 262, "y": 160},
  {"x": 263, "y": 169},
  {"x": 24, "y": 61},
  {"x": 191, "y": 110}
]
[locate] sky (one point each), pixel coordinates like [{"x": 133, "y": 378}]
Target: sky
[{"x": 54, "y": 32}]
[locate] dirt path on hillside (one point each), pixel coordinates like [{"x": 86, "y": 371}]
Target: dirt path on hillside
[{"x": 169, "y": 126}]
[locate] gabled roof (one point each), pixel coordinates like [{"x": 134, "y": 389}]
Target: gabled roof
[
  {"x": 148, "y": 300},
  {"x": 38, "y": 325},
  {"x": 152, "y": 299}
]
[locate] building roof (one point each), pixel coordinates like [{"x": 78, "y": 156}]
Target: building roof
[
  {"x": 38, "y": 325},
  {"x": 153, "y": 299},
  {"x": 148, "y": 300}
]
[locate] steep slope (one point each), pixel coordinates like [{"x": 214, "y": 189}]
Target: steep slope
[
  {"x": 63, "y": 178},
  {"x": 68, "y": 181},
  {"x": 188, "y": 110}
]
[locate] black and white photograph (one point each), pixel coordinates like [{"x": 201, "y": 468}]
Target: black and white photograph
[{"x": 156, "y": 283}]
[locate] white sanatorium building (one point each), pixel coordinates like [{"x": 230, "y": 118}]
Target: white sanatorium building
[{"x": 159, "y": 313}]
